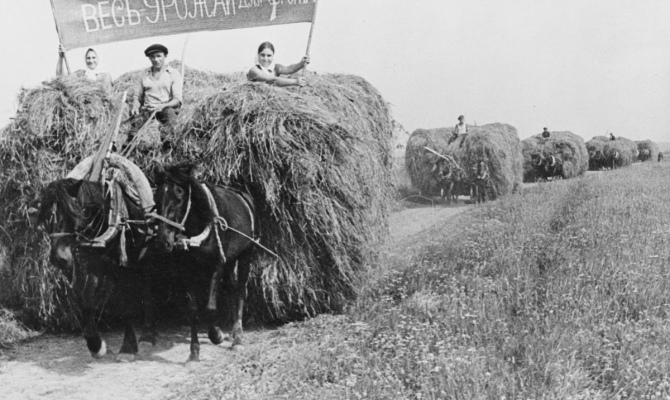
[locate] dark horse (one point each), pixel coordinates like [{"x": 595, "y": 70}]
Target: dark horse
[
  {"x": 211, "y": 229},
  {"x": 481, "y": 183},
  {"x": 76, "y": 215}
]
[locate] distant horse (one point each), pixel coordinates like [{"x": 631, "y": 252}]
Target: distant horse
[
  {"x": 645, "y": 155},
  {"x": 548, "y": 166},
  {"x": 209, "y": 228},
  {"x": 481, "y": 183},
  {"x": 553, "y": 167},
  {"x": 77, "y": 216},
  {"x": 449, "y": 177},
  {"x": 613, "y": 158},
  {"x": 597, "y": 160}
]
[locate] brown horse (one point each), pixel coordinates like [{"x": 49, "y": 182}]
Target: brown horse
[
  {"x": 75, "y": 213},
  {"x": 210, "y": 230}
]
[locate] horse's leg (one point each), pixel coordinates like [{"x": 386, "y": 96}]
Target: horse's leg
[
  {"x": 193, "y": 319},
  {"x": 129, "y": 290},
  {"x": 129, "y": 346},
  {"x": 214, "y": 333},
  {"x": 149, "y": 331},
  {"x": 243, "y": 269},
  {"x": 94, "y": 342}
]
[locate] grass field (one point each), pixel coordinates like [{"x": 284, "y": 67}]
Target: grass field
[{"x": 559, "y": 292}]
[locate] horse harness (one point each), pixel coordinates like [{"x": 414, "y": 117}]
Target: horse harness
[
  {"x": 117, "y": 222},
  {"x": 219, "y": 223}
]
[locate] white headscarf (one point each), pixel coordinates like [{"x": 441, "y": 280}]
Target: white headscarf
[
  {"x": 92, "y": 74},
  {"x": 270, "y": 70}
]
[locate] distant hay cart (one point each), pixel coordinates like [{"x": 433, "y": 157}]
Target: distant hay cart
[
  {"x": 569, "y": 147},
  {"x": 620, "y": 152},
  {"x": 647, "y": 150},
  {"x": 498, "y": 145}
]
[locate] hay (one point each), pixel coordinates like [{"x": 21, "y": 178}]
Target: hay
[
  {"x": 567, "y": 145},
  {"x": 653, "y": 150},
  {"x": 627, "y": 150},
  {"x": 58, "y": 124},
  {"x": 496, "y": 144},
  {"x": 601, "y": 138},
  {"x": 318, "y": 160},
  {"x": 197, "y": 85}
]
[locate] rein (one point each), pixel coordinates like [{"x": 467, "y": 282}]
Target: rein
[
  {"x": 219, "y": 222},
  {"x": 180, "y": 226}
]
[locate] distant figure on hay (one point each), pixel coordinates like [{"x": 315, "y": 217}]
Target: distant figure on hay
[
  {"x": 93, "y": 73},
  {"x": 266, "y": 71},
  {"x": 545, "y": 133},
  {"x": 158, "y": 90},
  {"x": 660, "y": 156},
  {"x": 612, "y": 136},
  {"x": 460, "y": 128}
]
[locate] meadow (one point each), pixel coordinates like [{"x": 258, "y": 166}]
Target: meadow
[{"x": 558, "y": 292}]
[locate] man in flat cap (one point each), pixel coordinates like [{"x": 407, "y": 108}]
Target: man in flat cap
[{"x": 158, "y": 90}]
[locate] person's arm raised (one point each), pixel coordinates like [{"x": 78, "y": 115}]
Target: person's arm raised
[
  {"x": 292, "y": 69},
  {"x": 256, "y": 75}
]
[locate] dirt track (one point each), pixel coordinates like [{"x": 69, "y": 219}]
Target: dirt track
[{"x": 60, "y": 367}]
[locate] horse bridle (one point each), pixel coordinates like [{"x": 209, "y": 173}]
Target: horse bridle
[{"x": 180, "y": 226}]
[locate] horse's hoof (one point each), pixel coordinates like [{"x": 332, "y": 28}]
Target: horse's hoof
[
  {"x": 125, "y": 357},
  {"x": 237, "y": 348},
  {"x": 193, "y": 358},
  {"x": 228, "y": 338},
  {"x": 145, "y": 347},
  {"x": 102, "y": 352},
  {"x": 148, "y": 338},
  {"x": 216, "y": 336}
]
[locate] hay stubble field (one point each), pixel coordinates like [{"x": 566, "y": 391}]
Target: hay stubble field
[{"x": 557, "y": 292}]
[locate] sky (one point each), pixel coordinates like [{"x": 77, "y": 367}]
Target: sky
[{"x": 588, "y": 67}]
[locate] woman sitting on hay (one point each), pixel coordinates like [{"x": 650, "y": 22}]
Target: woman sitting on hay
[
  {"x": 93, "y": 73},
  {"x": 266, "y": 71}
]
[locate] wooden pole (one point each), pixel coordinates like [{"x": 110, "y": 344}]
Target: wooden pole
[
  {"x": 61, "y": 55},
  {"x": 311, "y": 32},
  {"x": 107, "y": 144},
  {"x": 183, "y": 58}
]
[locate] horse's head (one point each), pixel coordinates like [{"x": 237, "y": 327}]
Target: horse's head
[
  {"x": 537, "y": 159},
  {"x": 58, "y": 213},
  {"x": 482, "y": 170},
  {"x": 174, "y": 198},
  {"x": 441, "y": 169},
  {"x": 69, "y": 209}
]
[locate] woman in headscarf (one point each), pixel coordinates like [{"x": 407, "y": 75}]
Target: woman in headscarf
[
  {"x": 94, "y": 74},
  {"x": 266, "y": 71}
]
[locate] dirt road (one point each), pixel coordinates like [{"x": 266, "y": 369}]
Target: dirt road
[{"x": 60, "y": 367}]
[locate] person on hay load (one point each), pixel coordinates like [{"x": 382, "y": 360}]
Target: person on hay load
[
  {"x": 545, "y": 133},
  {"x": 460, "y": 128},
  {"x": 92, "y": 72},
  {"x": 158, "y": 90},
  {"x": 266, "y": 71},
  {"x": 612, "y": 136}
]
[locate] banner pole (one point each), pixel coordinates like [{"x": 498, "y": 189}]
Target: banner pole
[
  {"x": 311, "y": 31},
  {"x": 62, "y": 57},
  {"x": 183, "y": 57}
]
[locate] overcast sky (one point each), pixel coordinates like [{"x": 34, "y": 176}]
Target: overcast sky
[{"x": 587, "y": 66}]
